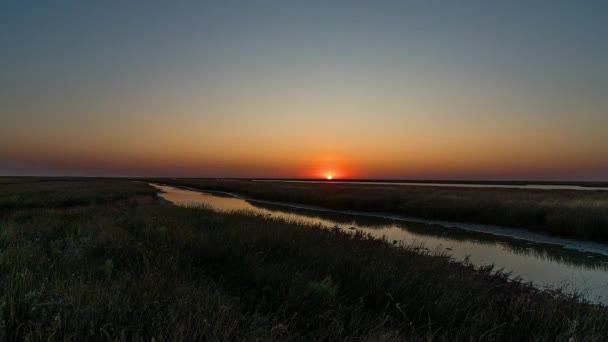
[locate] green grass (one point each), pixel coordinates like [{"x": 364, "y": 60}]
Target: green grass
[
  {"x": 135, "y": 269},
  {"x": 568, "y": 213}
]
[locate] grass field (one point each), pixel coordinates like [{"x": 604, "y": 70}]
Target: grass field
[
  {"x": 105, "y": 260},
  {"x": 568, "y": 213}
]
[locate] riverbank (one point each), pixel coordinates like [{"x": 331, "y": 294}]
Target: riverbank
[
  {"x": 106, "y": 260},
  {"x": 567, "y": 213},
  {"x": 510, "y": 232}
]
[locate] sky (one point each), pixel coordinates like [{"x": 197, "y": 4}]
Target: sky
[{"x": 355, "y": 89}]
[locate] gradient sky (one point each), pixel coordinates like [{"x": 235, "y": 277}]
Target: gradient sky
[{"x": 365, "y": 89}]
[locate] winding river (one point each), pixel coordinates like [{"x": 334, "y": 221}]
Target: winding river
[{"x": 548, "y": 262}]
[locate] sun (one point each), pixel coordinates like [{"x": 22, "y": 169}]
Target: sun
[{"x": 330, "y": 177}]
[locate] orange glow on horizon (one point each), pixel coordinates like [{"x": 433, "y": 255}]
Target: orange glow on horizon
[
  {"x": 328, "y": 173},
  {"x": 330, "y": 167}
]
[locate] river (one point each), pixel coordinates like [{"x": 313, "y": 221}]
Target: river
[{"x": 546, "y": 261}]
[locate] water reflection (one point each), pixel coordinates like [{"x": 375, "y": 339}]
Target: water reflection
[
  {"x": 546, "y": 265},
  {"x": 518, "y": 246}
]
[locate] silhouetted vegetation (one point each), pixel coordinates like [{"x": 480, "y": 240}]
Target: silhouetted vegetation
[
  {"x": 117, "y": 264},
  {"x": 569, "y": 213},
  {"x": 517, "y": 246},
  {"x": 47, "y": 193}
]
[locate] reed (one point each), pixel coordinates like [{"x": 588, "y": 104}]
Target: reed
[
  {"x": 123, "y": 268},
  {"x": 567, "y": 213}
]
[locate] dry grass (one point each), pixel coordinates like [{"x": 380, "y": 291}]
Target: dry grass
[
  {"x": 123, "y": 270},
  {"x": 568, "y": 213}
]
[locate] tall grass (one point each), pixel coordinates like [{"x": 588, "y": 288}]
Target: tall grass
[
  {"x": 53, "y": 193},
  {"x": 568, "y": 213},
  {"x": 132, "y": 270}
]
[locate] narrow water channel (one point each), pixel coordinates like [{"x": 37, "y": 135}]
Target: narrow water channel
[{"x": 547, "y": 265}]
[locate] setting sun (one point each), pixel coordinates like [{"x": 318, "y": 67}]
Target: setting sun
[{"x": 330, "y": 177}]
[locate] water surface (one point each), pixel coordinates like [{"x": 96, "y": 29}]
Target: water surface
[{"x": 547, "y": 265}]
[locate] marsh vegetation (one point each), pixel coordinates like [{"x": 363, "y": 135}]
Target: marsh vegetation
[
  {"x": 567, "y": 213},
  {"x": 118, "y": 264}
]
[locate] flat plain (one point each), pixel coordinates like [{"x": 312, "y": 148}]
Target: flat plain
[
  {"x": 104, "y": 259},
  {"x": 578, "y": 214}
]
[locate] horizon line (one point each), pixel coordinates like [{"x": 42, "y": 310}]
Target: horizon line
[{"x": 604, "y": 182}]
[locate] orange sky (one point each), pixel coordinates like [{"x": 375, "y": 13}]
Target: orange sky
[{"x": 174, "y": 150}]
